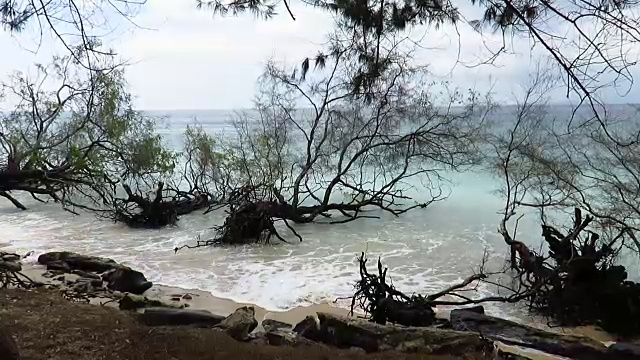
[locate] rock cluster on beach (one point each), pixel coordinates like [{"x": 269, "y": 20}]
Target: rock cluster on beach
[
  {"x": 10, "y": 262},
  {"x": 116, "y": 276},
  {"x": 466, "y": 331}
]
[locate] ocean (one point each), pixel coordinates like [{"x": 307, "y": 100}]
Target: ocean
[{"x": 425, "y": 250}]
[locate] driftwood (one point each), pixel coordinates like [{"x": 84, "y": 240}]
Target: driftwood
[
  {"x": 511, "y": 333},
  {"x": 382, "y": 303},
  {"x": 349, "y": 332}
]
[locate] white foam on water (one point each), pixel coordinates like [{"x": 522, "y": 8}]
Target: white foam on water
[{"x": 425, "y": 251}]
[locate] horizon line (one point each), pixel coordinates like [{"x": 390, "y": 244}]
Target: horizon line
[{"x": 250, "y": 108}]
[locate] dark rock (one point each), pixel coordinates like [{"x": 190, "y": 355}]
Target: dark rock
[
  {"x": 403, "y": 313},
  {"x": 96, "y": 283},
  {"x": 125, "y": 279},
  {"x": 179, "y": 317},
  {"x": 505, "y": 355},
  {"x": 59, "y": 278},
  {"x": 59, "y": 266},
  {"x": 82, "y": 287},
  {"x": 8, "y": 347},
  {"x": 79, "y": 262},
  {"x": 10, "y": 266},
  {"x": 258, "y": 339},
  {"x": 308, "y": 328},
  {"x": 282, "y": 338},
  {"x": 289, "y": 338},
  {"x": 134, "y": 302},
  {"x": 9, "y": 257},
  {"x": 52, "y": 273},
  {"x": 176, "y": 299},
  {"x": 624, "y": 351},
  {"x": 511, "y": 333},
  {"x": 187, "y": 297},
  {"x": 239, "y": 324},
  {"x": 273, "y": 325},
  {"x": 85, "y": 274},
  {"x": 474, "y": 309},
  {"x": 442, "y": 324},
  {"x": 348, "y": 332}
]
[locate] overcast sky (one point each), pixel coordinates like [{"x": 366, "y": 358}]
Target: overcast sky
[{"x": 183, "y": 58}]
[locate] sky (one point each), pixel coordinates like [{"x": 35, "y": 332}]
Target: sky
[{"x": 184, "y": 58}]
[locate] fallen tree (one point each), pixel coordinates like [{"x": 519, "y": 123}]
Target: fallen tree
[
  {"x": 140, "y": 211},
  {"x": 82, "y": 145},
  {"x": 382, "y": 303},
  {"x": 44, "y": 181},
  {"x": 576, "y": 278},
  {"x": 315, "y": 151},
  {"x": 74, "y": 138},
  {"x": 250, "y": 218},
  {"x": 578, "y": 282},
  {"x": 351, "y": 153}
]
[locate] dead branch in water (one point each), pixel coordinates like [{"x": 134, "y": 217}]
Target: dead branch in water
[
  {"x": 577, "y": 282},
  {"x": 382, "y": 302}
]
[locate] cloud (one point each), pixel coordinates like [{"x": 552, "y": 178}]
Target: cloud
[
  {"x": 185, "y": 58},
  {"x": 192, "y": 60}
]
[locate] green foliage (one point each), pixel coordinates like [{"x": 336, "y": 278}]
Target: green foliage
[
  {"x": 200, "y": 147},
  {"x": 83, "y": 118},
  {"x": 124, "y": 141},
  {"x": 259, "y": 155},
  {"x": 260, "y": 8},
  {"x": 15, "y": 14}
]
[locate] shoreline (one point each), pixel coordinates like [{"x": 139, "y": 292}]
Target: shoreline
[
  {"x": 194, "y": 299},
  {"x": 204, "y": 300}
]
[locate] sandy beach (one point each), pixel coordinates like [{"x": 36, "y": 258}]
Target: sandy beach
[{"x": 202, "y": 300}]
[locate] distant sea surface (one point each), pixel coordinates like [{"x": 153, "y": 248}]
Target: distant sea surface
[{"x": 425, "y": 250}]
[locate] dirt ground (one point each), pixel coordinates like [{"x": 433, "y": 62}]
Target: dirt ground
[{"x": 46, "y": 326}]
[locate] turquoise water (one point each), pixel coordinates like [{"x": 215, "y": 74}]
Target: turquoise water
[{"x": 426, "y": 249}]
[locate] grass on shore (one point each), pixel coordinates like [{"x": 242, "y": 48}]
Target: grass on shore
[{"x": 46, "y": 326}]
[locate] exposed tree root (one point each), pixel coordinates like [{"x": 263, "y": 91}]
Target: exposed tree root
[
  {"x": 142, "y": 212},
  {"x": 16, "y": 279},
  {"x": 251, "y": 217},
  {"x": 577, "y": 283},
  {"x": 382, "y": 302}
]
